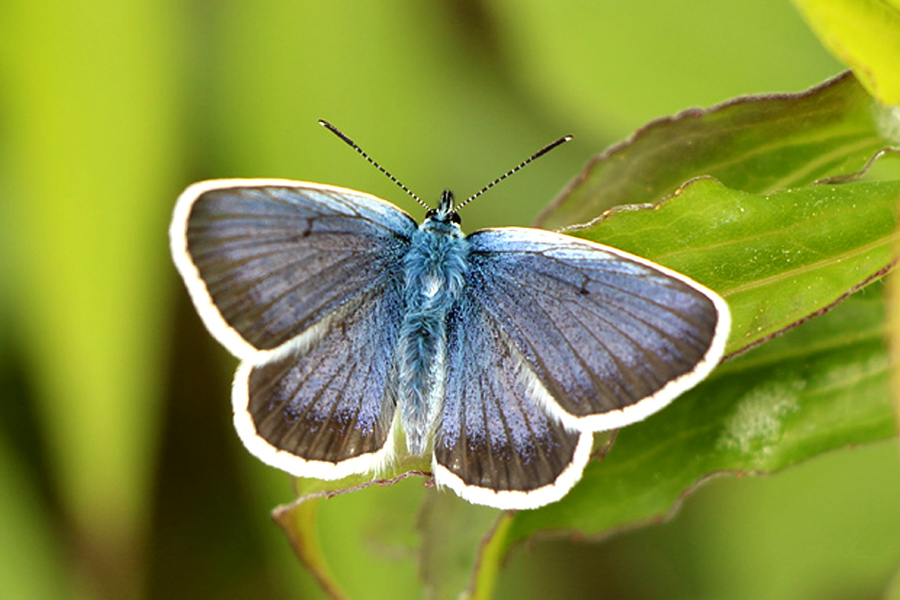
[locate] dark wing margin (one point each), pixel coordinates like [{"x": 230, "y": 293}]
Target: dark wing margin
[
  {"x": 610, "y": 337},
  {"x": 319, "y": 405},
  {"x": 265, "y": 259},
  {"x": 495, "y": 444}
]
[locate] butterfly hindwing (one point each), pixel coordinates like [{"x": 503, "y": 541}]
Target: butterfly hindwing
[
  {"x": 321, "y": 408},
  {"x": 610, "y": 337},
  {"x": 266, "y": 259},
  {"x": 495, "y": 444}
]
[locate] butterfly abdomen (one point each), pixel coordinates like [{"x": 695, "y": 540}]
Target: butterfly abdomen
[{"x": 435, "y": 269}]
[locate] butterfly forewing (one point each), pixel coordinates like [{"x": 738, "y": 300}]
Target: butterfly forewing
[
  {"x": 495, "y": 444},
  {"x": 610, "y": 337},
  {"x": 266, "y": 259}
]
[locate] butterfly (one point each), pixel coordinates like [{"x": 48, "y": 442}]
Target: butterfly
[{"x": 362, "y": 334}]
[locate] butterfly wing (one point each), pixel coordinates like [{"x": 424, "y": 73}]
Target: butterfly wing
[
  {"x": 555, "y": 338},
  {"x": 494, "y": 442},
  {"x": 609, "y": 337},
  {"x": 321, "y": 408},
  {"x": 300, "y": 281}
]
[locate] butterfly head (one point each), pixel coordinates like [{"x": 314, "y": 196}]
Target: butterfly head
[{"x": 445, "y": 211}]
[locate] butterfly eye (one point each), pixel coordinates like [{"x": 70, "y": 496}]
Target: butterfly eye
[{"x": 435, "y": 214}]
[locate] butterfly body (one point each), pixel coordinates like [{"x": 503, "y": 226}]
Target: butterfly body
[
  {"x": 435, "y": 268},
  {"x": 499, "y": 352}
]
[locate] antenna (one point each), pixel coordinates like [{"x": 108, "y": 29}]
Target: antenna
[
  {"x": 353, "y": 145},
  {"x": 537, "y": 154}
]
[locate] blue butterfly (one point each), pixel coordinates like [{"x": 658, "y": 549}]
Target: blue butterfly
[{"x": 499, "y": 352}]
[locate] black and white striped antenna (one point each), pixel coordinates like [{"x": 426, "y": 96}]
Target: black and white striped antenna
[
  {"x": 522, "y": 164},
  {"x": 362, "y": 153},
  {"x": 517, "y": 168}
]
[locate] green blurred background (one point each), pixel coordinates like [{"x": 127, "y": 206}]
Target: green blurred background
[{"x": 120, "y": 476}]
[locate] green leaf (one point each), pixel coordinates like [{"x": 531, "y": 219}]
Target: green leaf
[
  {"x": 297, "y": 520},
  {"x": 452, "y": 531},
  {"x": 441, "y": 536},
  {"x": 863, "y": 34},
  {"x": 777, "y": 258},
  {"x": 755, "y": 144},
  {"x": 448, "y": 531},
  {"x": 823, "y": 386},
  {"x": 358, "y": 545}
]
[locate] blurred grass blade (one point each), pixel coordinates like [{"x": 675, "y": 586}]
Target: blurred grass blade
[
  {"x": 893, "y": 588},
  {"x": 756, "y": 144},
  {"x": 864, "y": 35},
  {"x": 92, "y": 99},
  {"x": 31, "y": 555}
]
